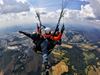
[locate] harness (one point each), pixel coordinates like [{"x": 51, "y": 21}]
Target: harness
[{"x": 39, "y": 39}]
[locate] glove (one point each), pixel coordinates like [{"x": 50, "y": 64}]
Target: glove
[
  {"x": 20, "y": 32},
  {"x": 62, "y": 29},
  {"x": 57, "y": 29}
]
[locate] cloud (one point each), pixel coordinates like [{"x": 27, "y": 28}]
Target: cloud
[
  {"x": 1, "y": 2},
  {"x": 87, "y": 12},
  {"x": 11, "y": 19},
  {"x": 95, "y": 4},
  {"x": 84, "y": 16},
  {"x": 13, "y": 6},
  {"x": 23, "y": 1},
  {"x": 47, "y": 17}
]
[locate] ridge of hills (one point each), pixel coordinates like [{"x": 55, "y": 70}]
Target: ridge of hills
[{"x": 77, "y": 55}]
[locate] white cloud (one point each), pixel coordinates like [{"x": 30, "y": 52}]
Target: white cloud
[
  {"x": 87, "y": 11},
  {"x": 23, "y": 1},
  {"x": 95, "y": 4},
  {"x": 16, "y": 19},
  {"x": 1, "y": 2},
  {"x": 13, "y": 6},
  {"x": 29, "y": 17},
  {"x": 40, "y": 10}
]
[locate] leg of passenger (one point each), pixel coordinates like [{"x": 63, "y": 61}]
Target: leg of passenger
[{"x": 44, "y": 49}]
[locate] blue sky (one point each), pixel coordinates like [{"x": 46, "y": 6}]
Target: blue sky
[
  {"x": 56, "y": 4},
  {"x": 22, "y": 12}
]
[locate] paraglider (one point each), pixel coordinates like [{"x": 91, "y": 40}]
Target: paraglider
[{"x": 44, "y": 43}]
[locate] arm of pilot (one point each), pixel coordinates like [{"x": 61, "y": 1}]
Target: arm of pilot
[
  {"x": 27, "y": 34},
  {"x": 56, "y": 38}
]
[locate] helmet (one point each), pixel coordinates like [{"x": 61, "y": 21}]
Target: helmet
[
  {"x": 33, "y": 32},
  {"x": 47, "y": 30}
]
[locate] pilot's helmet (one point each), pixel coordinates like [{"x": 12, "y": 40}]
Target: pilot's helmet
[{"x": 47, "y": 30}]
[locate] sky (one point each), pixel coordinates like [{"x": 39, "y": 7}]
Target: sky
[{"x": 22, "y": 12}]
